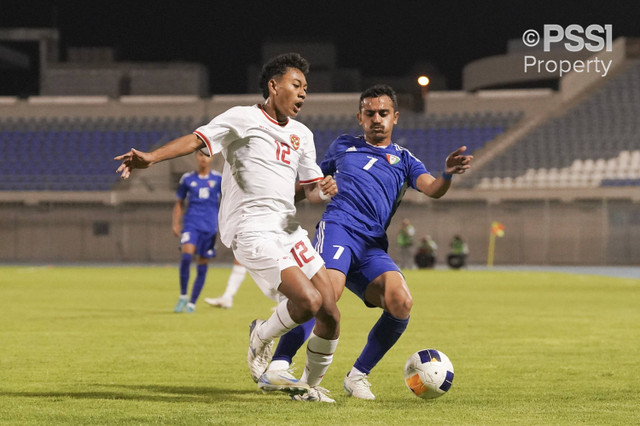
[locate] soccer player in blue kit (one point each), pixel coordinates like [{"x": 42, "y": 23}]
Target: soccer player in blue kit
[
  {"x": 372, "y": 174},
  {"x": 201, "y": 190}
]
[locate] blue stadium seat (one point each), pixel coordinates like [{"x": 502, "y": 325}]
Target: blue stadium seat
[{"x": 74, "y": 154}]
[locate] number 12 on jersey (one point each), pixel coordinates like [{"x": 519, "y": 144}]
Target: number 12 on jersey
[{"x": 282, "y": 151}]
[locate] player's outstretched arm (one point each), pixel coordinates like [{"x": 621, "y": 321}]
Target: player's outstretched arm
[
  {"x": 455, "y": 163},
  {"x": 135, "y": 159}
]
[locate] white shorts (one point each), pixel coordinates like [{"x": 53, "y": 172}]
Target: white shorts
[{"x": 266, "y": 254}]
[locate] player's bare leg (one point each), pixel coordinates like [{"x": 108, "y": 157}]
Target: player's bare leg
[
  {"x": 324, "y": 338},
  {"x": 390, "y": 292},
  {"x": 303, "y": 303}
]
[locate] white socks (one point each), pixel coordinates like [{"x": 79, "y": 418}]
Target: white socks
[
  {"x": 279, "y": 365},
  {"x": 278, "y": 323},
  {"x": 238, "y": 273},
  {"x": 355, "y": 372},
  {"x": 319, "y": 356}
]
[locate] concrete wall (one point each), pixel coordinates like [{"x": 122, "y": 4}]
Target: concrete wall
[
  {"x": 529, "y": 101},
  {"x": 505, "y": 70},
  {"x": 66, "y": 233},
  {"x": 538, "y": 232},
  {"x": 102, "y": 106},
  {"x": 124, "y": 78}
]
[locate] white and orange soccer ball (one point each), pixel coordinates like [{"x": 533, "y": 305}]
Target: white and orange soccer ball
[{"x": 428, "y": 373}]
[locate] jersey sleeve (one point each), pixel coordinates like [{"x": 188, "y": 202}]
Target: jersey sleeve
[
  {"x": 308, "y": 169},
  {"x": 416, "y": 168},
  {"x": 183, "y": 188},
  {"x": 328, "y": 164},
  {"x": 223, "y": 129}
]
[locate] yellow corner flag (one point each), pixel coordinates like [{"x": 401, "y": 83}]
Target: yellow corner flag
[{"x": 497, "y": 230}]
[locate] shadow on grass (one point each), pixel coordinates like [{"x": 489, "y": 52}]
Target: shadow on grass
[{"x": 158, "y": 393}]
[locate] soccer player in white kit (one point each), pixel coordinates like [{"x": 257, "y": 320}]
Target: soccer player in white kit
[{"x": 265, "y": 153}]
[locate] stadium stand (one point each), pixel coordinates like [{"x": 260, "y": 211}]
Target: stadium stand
[
  {"x": 74, "y": 154},
  {"x": 559, "y": 168},
  {"x": 592, "y": 144},
  {"x": 595, "y": 143}
]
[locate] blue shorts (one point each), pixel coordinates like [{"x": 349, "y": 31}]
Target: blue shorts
[
  {"x": 205, "y": 242},
  {"x": 361, "y": 259}
]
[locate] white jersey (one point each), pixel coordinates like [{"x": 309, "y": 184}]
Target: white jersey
[{"x": 263, "y": 159}]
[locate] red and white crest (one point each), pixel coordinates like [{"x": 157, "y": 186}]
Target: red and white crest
[{"x": 295, "y": 141}]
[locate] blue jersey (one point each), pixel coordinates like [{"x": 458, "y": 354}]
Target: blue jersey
[
  {"x": 203, "y": 197},
  {"x": 371, "y": 182}
]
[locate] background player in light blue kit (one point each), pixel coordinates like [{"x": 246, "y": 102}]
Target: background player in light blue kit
[
  {"x": 372, "y": 174},
  {"x": 201, "y": 190}
]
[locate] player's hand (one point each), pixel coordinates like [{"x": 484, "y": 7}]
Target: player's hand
[
  {"x": 133, "y": 159},
  {"x": 176, "y": 230},
  {"x": 456, "y": 163},
  {"x": 328, "y": 186}
]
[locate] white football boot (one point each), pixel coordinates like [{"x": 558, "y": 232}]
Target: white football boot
[{"x": 357, "y": 386}]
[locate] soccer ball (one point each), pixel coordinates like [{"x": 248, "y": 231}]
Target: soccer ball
[{"x": 428, "y": 373}]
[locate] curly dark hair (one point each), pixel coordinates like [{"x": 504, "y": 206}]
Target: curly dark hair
[
  {"x": 277, "y": 66},
  {"x": 380, "y": 90}
]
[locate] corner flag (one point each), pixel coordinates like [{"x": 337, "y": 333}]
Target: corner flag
[{"x": 497, "y": 230}]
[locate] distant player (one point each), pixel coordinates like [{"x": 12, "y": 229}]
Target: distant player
[
  {"x": 372, "y": 174},
  {"x": 265, "y": 153},
  {"x": 238, "y": 272},
  {"x": 201, "y": 190}
]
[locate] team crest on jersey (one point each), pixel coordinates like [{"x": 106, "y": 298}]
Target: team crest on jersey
[
  {"x": 393, "y": 159},
  {"x": 295, "y": 141},
  {"x": 212, "y": 183}
]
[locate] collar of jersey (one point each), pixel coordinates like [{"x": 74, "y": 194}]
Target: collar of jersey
[
  {"x": 376, "y": 146},
  {"x": 271, "y": 119}
]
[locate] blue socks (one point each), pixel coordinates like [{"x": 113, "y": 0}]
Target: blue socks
[
  {"x": 292, "y": 341},
  {"x": 185, "y": 266},
  {"x": 198, "y": 283},
  {"x": 384, "y": 334}
]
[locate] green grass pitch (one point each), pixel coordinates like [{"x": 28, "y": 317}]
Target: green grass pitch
[{"x": 102, "y": 346}]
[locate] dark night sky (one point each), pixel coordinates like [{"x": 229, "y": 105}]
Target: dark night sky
[{"x": 380, "y": 38}]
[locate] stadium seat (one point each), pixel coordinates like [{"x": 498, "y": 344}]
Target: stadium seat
[
  {"x": 596, "y": 139},
  {"x": 74, "y": 154}
]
